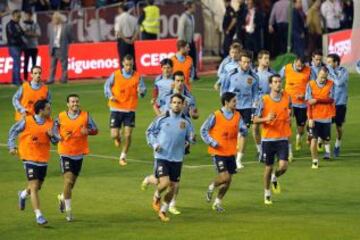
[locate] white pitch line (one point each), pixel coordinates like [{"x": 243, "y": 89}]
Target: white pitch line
[{"x": 186, "y": 166}]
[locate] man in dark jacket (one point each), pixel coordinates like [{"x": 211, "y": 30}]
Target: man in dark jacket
[{"x": 298, "y": 31}]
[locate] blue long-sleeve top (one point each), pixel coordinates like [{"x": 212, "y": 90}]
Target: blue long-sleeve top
[
  {"x": 163, "y": 86},
  {"x": 19, "y": 127},
  {"x": 91, "y": 125},
  {"x": 210, "y": 123},
  {"x": 190, "y": 102},
  {"x": 315, "y": 70},
  {"x": 340, "y": 76},
  {"x": 227, "y": 66},
  {"x": 18, "y": 94},
  {"x": 308, "y": 96},
  {"x": 110, "y": 82},
  {"x": 170, "y": 132},
  {"x": 245, "y": 85},
  {"x": 263, "y": 77}
]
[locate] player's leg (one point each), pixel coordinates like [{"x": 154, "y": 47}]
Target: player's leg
[
  {"x": 172, "y": 207},
  {"x": 129, "y": 124},
  {"x": 313, "y": 146},
  {"x": 325, "y": 135},
  {"x": 257, "y": 139},
  {"x": 268, "y": 157},
  {"x": 339, "y": 121}
]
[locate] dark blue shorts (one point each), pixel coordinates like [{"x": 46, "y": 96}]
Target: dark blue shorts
[
  {"x": 35, "y": 172},
  {"x": 225, "y": 164},
  {"x": 70, "y": 165},
  {"x": 322, "y": 130},
  {"x": 272, "y": 149},
  {"x": 246, "y": 115},
  {"x": 165, "y": 168},
  {"x": 300, "y": 116},
  {"x": 117, "y": 119},
  {"x": 340, "y": 115}
]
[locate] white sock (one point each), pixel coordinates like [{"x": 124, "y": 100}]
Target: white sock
[
  {"x": 315, "y": 161},
  {"x": 217, "y": 201},
  {"x": 273, "y": 178},
  {"x": 337, "y": 143},
  {"x": 239, "y": 157},
  {"x": 258, "y": 147},
  {"x": 123, "y": 155},
  {"x": 172, "y": 203},
  {"x": 164, "y": 207},
  {"x": 327, "y": 147},
  {"x": 62, "y": 196},
  {"x": 290, "y": 148},
  {"x": 37, "y": 213},
  {"x": 298, "y": 137},
  {"x": 267, "y": 192},
  {"x": 212, "y": 187},
  {"x": 24, "y": 194},
  {"x": 67, "y": 205},
  {"x": 319, "y": 140}
]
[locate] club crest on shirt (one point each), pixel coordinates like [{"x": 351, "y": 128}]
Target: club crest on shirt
[
  {"x": 249, "y": 80},
  {"x": 182, "y": 125}
]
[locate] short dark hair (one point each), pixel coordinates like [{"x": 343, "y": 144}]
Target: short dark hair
[
  {"x": 226, "y": 97},
  {"x": 317, "y": 52},
  {"x": 177, "y": 95},
  {"x": 180, "y": 44},
  {"x": 40, "y": 105},
  {"x": 274, "y": 76},
  {"x": 335, "y": 57},
  {"x": 128, "y": 57},
  {"x": 150, "y": 2},
  {"x": 324, "y": 68},
  {"x": 245, "y": 53},
  {"x": 123, "y": 7},
  {"x": 300, "y": 58},
  {"x": 71, "y": 95},
  {"x": 262, "y": 53},
  {"x": 16, "y": 11},
  {"x": 36, "y": 67},
  {"x": 178, "y": 73},
  {"x": 236, "y": 45},
  {"x": 166, "y": 61}
]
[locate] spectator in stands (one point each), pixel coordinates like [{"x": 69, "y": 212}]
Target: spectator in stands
[
  {"x": 15, "y": 5},
  {"x": 253, "y": 26},
  {"x": 331, "y": 10},
  {"x": 14, "y": 35},
  {"x": 3, "y": 8},
  {"x": 298, "y": 29},
  {"x": 348, "y": 9},
  {"x": 149, "y": 21},
  {"x": 32, "y": 33},
  {"x": 240, "y": 20},
  {"x": 42, "y": 5},
  {"x": 279, "y": 22},
  {"x": 313, "y": 24},
  {"x": 126, "y": 32},
  {"x": 229, "y": 27},
  {"x": 186, "y": 31},
  {"x": 60, "y": 37}
]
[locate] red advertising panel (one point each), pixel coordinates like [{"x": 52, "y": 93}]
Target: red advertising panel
[
  {"x": 340, "y": 43},
  {"x": 148, "y": 54},
  {"x": 86, "y": 60}
]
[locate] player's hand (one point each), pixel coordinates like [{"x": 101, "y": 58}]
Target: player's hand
[
  {"x": 271, "y": 116},
  {"x": 312, "y": 101},
  {"x": 311, "y": 124},
  {"x": 271, "y": 29},
  {"x": 13, "y": 151},
  {"x": 300, "y": 97},
  {"x": 216, "y": 87},
  {"x": 23, "y": 115},
  {"x": 113, "y": 99},
  {"x": 84, "y": 131},
  {"x": 157, "y": 148},
  {"x": 50, "y": 133}
]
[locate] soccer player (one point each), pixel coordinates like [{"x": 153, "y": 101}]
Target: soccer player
[
  {"x": 35, "y": 133},
  {"x": 29, "y": 93},
  {"x": 73, "y": 127},
  {"x": 340, "y": 76},
  {"x": 169, "y": 135},
  {"x": 220, "y": 132},
  {"x": 183, "y": 62},
  {"x": 320, "y": 98},
  {"x": 244, "y": 83},
  {"x": 274, "y": 113},
  {"x": 122, "y": 89},
  {"x": 316, "y": 64},
  {"x": 297, "y": 75},
  {"x": 263, "y": 71},
  {"x": 228, "y": 65}
]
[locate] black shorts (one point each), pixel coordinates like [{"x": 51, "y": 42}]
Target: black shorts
[
  {"x": 70, "y": 165},
  {"x": 270, "y": 149},
  {"x": 166, "y": 168},
  {"x": 35, "y": 172},
  {"x": 223, "y": 164},
  {"x": 117, "y": 119},
  {"x": 322, "y": 130},
  {"x": 246, "y": 115},
  {"x": 300, "y": 116},
  {"x": 340, "y": 115}
]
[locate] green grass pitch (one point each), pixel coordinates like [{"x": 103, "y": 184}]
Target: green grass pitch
[{"x": 108, "y": 203}]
